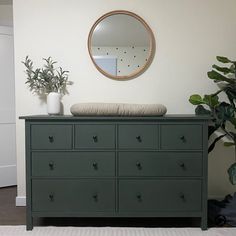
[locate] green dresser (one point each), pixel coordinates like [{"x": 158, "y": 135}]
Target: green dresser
[{"x": 116, "y": 166}]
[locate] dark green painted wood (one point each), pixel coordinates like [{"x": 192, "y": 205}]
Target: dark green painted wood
[
  {"x": 73, "y": 180},
  {"x": 159, "y": 195},
  {"x": 72, "y": 164},
  {"x": 160, "y": 164},
  {"x": 181, "y": 136},
  {"x": 94, "y": 136},
  {"x": 51, "y": 136},
  {"x": 138, "y": 136},
  {"x": 73, "y": 195}
]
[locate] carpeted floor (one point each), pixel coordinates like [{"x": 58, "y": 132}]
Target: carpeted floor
[{"x": 113, "y": 231}]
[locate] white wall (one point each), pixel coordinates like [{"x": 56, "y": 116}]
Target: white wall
[
  {"x": 6, "y": 14},
  {"x": 189, "y": 34},
  {"x": 7, "y": 109}
]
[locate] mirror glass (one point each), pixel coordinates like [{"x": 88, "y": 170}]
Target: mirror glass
[{"x": 121, "y": 45}]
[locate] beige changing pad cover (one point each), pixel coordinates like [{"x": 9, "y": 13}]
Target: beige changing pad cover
[{"x": 118, "y": 109}]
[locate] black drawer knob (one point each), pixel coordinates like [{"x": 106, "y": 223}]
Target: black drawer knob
[
  {"x": 139, "y": 197},
  {"x": 95, "y": 197},
  {"x": 182, "y": 165},
  {"x": 139, "y": 139},
  {"x": 51, "y": 165},
  {"x": 95, "y": 165},
  {"x": 182, "y": 196},
  {"x": 139, "y": 166},
  {"x": 51, "y": 139},
  {"x": 95, "y": 138},
  {"x": 51, "y": 197},
  {"x": 183, "y": 139}
]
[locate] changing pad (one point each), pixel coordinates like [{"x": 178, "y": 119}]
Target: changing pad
[{"x": 118, "y": 109}]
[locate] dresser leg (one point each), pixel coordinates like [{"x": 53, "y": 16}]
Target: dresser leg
[
  {"x": 204, "y": 223},
  {"x": 29, "y": 223}
]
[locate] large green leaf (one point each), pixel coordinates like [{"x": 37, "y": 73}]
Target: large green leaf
[
  {"x": 211, "y": 100},
  {"x": 225, "y": 111},
  {"x": 232, "y": 173},
  {"x": 211, "y": 147},
  {"x": 229, "y": 144},
  {"x": 201, "y": 110},
  {"x": 223, "y": 59},
  {"x": 219, "y": 77},
  {"x": 196, "y": 99},
  {"x": 225, "y": 70}
]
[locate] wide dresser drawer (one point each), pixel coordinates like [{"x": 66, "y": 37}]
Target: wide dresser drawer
[
  {"x": 140, "y": 136},
  {"x": 159, "y": 195},
  {"x": 95, "y": 136},
  {"x": 181, "y": 137},
  {"x": 160, "y": 164},
  {"x": 72, "y": 164},
  {"x": 73, "y": 195},
  {"x": 51, "y": 136}
]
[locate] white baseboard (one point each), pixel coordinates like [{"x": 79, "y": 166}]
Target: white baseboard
[{"x": 20, "y": 201}]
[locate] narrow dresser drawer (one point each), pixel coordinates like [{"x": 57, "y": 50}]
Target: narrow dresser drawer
[
  {"x": 95, "y": 136},
  {"x": 73, "y": 195},
  {"x": 51, "y": 136},
  {"x": 184, "y": 136},
  {"x": 160, "y": 164},
  {"x": 73, "y": 164},
  {"x": 159, "y": 195},
  {"x": 138, "y": 136}
]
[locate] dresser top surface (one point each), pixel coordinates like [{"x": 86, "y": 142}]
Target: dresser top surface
[{"x": 97, "y": 118}]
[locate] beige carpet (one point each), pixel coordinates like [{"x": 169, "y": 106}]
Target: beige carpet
[{"x": 113, "y": 231}]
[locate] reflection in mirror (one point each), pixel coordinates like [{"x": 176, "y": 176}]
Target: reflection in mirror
[{"x": 121, "y": 45}]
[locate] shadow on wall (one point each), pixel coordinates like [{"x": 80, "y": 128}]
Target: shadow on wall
[{"x": 219, "y": 161}]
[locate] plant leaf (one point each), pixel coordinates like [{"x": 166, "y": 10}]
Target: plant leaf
[
  {"x": 219, "y": 77},
  {"x": 196, "y": 99},
  {"x": 229, "y": 144},
  {"x": 225, "y": 70},
  {"x": 211, "y": 147},
  {"x": 232, "y": 173},
  {"x": 223, "y": 59},
  {"x": 201, "y": 110},
  {"x": 211, "y": 100}
]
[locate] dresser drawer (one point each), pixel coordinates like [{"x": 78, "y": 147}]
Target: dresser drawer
[
  {"x": 159, "y": 195},
  {"x": 138, "y": 136},
  {"x": 95, "y": 136},
  {"x": 73, "y": 195},
  {"x": 72, "y": 164},
  {"x": 51, "y": 136},
  {"x": 160, "y": 164},
  {"x": 177, "y": 137}
]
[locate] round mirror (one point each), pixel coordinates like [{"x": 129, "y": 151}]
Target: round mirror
[{"x": 121, "y": 45}]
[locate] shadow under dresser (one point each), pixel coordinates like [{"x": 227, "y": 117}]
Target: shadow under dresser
[{"x": 116, "y": 166}]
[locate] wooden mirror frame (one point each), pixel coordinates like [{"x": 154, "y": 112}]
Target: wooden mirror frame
[{"x": 151, "y": 53}]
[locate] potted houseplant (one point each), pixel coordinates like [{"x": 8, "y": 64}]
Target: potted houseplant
[
  {"x": 48, "y": 80},
  {"x": 222, "y": 112}
]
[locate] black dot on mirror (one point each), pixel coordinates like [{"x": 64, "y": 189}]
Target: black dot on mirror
[
  {"x": 144, "y": 50},
  {"x": 121, "y": 59},
  {"x": 133, "y": 47},
  {"x": 134, "y": 56},
  {"x": 107, "y": 53},
  {"x": 138, "y": 65},
  {"x": 118, "y": 71},
  {"x": 145, "y": 59},
  {"x": 128, "y": 65},
  {"x": 98, "y": 48},
  {"x": 116, "y": 48},
  {"x": 124, "y": 52}
]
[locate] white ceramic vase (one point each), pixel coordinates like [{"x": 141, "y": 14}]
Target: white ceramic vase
[{"x": 54, "y": 103}]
